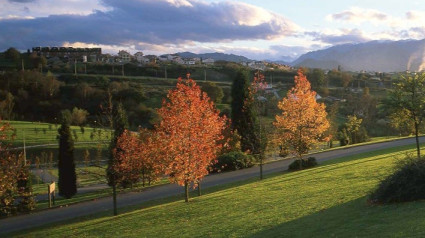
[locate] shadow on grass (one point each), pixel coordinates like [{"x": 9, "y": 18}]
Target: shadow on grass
[{"x": 356, "y": 219}]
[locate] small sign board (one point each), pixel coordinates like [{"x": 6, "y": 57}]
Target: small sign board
[
  {"x": 52, "y": 187},
  {"x": 51, "y": 193}
]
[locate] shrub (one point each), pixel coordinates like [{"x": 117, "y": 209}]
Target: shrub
[
  {"x": 306, "y": 163},
  {"x": 233, "y": 161},
  {"x": 406, "y": 184}
]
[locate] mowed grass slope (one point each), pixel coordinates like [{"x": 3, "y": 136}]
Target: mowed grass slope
[
  {"x": 37, "y": 133},
  {"x": 326, "y": 201},
  {"x": 41, "y": 140}
]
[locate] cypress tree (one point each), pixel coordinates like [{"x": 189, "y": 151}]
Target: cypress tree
[
  {"x": 120, "y": 123},
  {"x": 243, "y": 114},
  {"x": 66, "y": 167}
]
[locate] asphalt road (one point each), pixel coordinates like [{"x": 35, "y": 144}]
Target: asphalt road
[{"x": 27, "y": 221}]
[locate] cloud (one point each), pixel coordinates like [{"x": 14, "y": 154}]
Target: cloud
[
  {"x": 21, "y": 1},
  {"x": 44, "y": 8},
  {"x": 343, "y": 36},
  {"x": 415, "y": 15},
  {"x": 289, "y": 51},
  {"x": 133, "y": 22},
  {"x": 357, "y": 15}
]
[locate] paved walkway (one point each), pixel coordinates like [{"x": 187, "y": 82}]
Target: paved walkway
[{"x": 134, "y": 198}]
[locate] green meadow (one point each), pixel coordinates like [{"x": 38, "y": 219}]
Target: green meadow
[
  {"x": 327, "y": 201},
  {"x": 41, "y": 141}
]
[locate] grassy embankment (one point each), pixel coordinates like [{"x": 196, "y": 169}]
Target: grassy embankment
[
  {"x": 41, "y": 142},
  {"x": 326, "y": 201},
  {"x": 42, "y": 137}
]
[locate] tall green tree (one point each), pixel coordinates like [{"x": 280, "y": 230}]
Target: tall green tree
[
  {"x": 317, "y": 78},
  {"x": 243, "y": 113},
  {"x": 120, "y": 124},
  {"x": 67, "y": 181},
  {"x": 409, "y": 95},
  {"x": 12, "y": 54},
  {"x": 214, "y": 91}
]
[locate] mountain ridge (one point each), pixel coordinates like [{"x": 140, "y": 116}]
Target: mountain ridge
[{"x": 383, "y": 56}]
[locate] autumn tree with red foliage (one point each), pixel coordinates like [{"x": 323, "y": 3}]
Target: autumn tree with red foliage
[
  {"x": 151, "y": 163},
  {"x": 137, "y": 156},
  {"x": 14, "y": 177},
  {"x": 126, "y": 165},
  {"x": 188, "y": 134},
  {"x": 303, "y": 121},
  {"x": 7, "y": 175}
]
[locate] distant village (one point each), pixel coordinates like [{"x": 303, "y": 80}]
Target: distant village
[{"x": 86, "y": 55}]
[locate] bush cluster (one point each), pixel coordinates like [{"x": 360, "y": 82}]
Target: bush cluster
[
  {"x": 306, "y": 163},
  {"x": 406, "y": 184},
  {"x": 233, "y": 161}
]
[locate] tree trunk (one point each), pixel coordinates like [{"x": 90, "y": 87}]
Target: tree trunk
[
  {"x": 199, "y": 188},
  {"x": 186, "y": 191},
  {"x": 301, "y": 162},
  {"x": 114, "y": 198},
  {"x": 261, "y": 167},
  {"x": 417, "y": 140}
]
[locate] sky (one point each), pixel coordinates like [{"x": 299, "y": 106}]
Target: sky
[{"x": 257, "y": 29}]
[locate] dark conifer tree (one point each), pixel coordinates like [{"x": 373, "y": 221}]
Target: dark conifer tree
[
  {"x": 120, "y": 124},
  {"x": 243, "y": 115},
  {"x": 67, "y": 177}
]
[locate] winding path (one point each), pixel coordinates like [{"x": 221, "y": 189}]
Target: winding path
[{"x": 22, "y": 222}]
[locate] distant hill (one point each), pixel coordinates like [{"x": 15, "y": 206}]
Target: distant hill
[
  {"x": 215, "y": 56},
  {"x": 383, "y": 56}
]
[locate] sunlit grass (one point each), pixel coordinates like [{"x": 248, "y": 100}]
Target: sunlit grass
[{"x": 326, "y": 201}]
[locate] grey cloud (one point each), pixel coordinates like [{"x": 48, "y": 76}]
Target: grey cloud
[
  {"x": 352, "y": 36},
  {"x": 290, "y": 53},
  {"x": 350, "y": 15},
  {"x": 22, "y": 1},
  {"x": 132, "y": 21},
  {"x": 289, "y": 50}
]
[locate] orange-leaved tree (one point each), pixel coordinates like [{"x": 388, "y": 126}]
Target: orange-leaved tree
[
  {"x": 126, "y": 165},
  {"x": 14, "y": 177},
  {"x": 151, "y": 164},
  {"x": 303, "y": 121},
  {"x": 189, "y": 134},
  {"x": 8, "y": 165}
]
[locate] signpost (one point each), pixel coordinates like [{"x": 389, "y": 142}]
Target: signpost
[{"x": 51, "y": 193}]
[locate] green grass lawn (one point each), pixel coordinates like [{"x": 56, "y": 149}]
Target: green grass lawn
[
  {"x": 326, "y": 201},
  {"x": 44, "y": 134},
  {"x": 37, "y": 133},
  {"x": 87, "y": 176}
]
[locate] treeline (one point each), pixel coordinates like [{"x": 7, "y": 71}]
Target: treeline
[{"x": 33, "y": 96}]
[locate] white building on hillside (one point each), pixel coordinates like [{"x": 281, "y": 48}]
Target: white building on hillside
[
  {"x": 208, "y": 61},
  {"x": 139, "y": 56},
  {"x": 124, "y": 56}
]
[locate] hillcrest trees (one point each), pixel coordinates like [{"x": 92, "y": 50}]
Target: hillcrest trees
[
  {"x": 243, "y": 113},
  {"x": 303, "y": 121},
  {"x": 188, "y": 134},
  {"x": 409, "y": 97}
]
